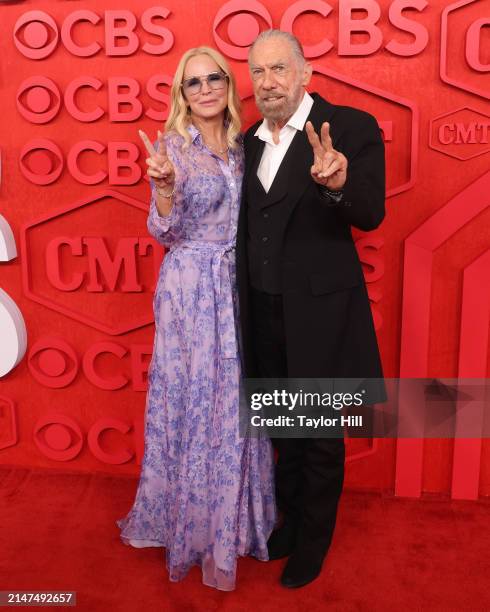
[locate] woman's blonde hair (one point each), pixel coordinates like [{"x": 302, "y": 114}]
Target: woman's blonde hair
[{"x": 179, "y": 117}]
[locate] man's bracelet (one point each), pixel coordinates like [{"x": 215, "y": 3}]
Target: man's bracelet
[
  {"x": 336, "y": 196},
  {"x": 165, "y": 195}
]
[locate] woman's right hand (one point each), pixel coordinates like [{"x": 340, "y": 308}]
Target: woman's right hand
[{"x": 160, "y": 168}]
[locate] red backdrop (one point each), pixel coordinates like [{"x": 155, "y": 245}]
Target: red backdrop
[{"x": 77, "y": 81}]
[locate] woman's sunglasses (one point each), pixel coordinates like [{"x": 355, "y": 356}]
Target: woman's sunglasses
[{"x": 215, "y": 81}]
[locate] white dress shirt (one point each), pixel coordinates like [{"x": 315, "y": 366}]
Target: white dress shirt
[{"x": 273, "y": 154}]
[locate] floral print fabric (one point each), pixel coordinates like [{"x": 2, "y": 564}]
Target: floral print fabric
[{"x": 205, "y": 493}]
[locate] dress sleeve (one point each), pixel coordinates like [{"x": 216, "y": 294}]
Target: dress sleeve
[{"x": 169, "y": 228}]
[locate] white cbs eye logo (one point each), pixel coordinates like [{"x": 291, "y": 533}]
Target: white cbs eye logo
[
  {"x": 242, "y": 27},
  {"x": 13, "y": 332}
]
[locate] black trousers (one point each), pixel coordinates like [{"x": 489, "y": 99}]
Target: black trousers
[{"x": 309, "y": 471}]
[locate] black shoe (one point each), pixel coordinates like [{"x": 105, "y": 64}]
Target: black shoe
[
  {"x": 282, "y": 541},
  {"x": 300, "y": 570}
]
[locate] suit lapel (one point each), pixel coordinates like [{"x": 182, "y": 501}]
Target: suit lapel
[
  {"x": 295, "y": 168},
  {"x": 253, "y": 155},
  {"x": 321, "y": 111}
]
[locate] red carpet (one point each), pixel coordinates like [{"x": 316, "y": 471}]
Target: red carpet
[{"x": 57, "y": 532}]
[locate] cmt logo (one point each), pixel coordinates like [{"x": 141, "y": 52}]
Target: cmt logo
[
  {"x": 103, "y": 268},
  {"x": 463, "y": 134},
  {"x": 465, "y": 46},
  {"x": 81, "y": 262}
]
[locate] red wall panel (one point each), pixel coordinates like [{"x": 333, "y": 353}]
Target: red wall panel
[{"x": 78, "y": 80}]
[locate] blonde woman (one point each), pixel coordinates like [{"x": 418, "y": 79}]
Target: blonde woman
[{"x": 205, "y": 493}]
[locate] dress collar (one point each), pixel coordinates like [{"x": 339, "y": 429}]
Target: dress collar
[{"x": 194, "y": 132}]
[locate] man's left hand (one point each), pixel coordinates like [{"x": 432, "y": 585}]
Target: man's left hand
[{"x": 329, "y": 166}]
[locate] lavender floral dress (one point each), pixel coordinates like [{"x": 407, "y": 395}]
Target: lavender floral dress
[{"x": 205, "y": 493}]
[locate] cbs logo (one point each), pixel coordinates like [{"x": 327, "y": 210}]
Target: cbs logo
[
  {"x": 41, "y": 161},
  {"x": 242, "y": 21},
  {"x": 60, "y": 438},
  {"x": 53, "y": 363},
  {"x": 39, "y": 98},
  {"x": 36, "y": 34}
]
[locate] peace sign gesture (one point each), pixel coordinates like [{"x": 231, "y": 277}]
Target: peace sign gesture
[
  {"x": 329, "y": 166},
  {"x": 160, "y": 168}
]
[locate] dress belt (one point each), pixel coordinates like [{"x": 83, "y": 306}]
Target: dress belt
[{"x": 227, "y": 338}]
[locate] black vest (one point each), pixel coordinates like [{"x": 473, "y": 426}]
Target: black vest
[{"x": 267, "y": 219}]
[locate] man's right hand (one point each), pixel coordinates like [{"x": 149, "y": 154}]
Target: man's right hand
[
  {"x": 160, "y": 168},
  {"x": 330, "y": 166}
]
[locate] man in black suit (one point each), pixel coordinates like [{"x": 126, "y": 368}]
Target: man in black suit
[{"x": 312, "y": 171}]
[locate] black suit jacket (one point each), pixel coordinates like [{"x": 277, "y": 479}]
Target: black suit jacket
[{"x": 328, "y": 321}]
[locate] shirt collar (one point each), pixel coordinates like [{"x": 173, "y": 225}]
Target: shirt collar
[
  {"x": 196, "y": 134},
  {"x": 296, "y": 121}
]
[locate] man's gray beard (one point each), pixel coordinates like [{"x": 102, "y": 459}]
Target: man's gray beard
[{"x": 279, "y": 114}]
